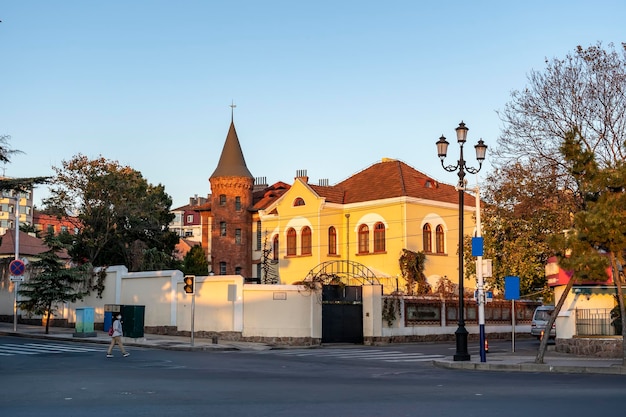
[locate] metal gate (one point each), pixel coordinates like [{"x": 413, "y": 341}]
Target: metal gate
[{"x": 342, "y": 314}]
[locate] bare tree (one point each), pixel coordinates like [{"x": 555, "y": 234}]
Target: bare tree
[{"x": 585, "y": 92}]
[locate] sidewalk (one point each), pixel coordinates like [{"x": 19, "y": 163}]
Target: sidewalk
[
  {"x": 149, "y": 340},
  {"x": 554, "y": 362},
  {"x": 496, "y": 361}
]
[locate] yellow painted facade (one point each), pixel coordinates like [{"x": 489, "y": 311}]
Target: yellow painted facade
[{"x": 403, "y": 218}]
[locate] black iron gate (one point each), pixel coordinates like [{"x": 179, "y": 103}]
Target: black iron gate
[{"x": 342, "y": 314}]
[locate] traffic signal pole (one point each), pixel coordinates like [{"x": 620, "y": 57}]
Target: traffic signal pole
[
  {"x": 193, "y": 314},
  {"x": 189, "y": 283}
]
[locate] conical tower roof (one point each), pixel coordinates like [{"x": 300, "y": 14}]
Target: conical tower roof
[{"x": 232, "y": 162}]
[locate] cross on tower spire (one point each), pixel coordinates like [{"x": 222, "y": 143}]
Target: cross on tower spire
[{"x": 232, "y": 110}]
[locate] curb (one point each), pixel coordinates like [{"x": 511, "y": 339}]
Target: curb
[{"x": 531, "y": 367}]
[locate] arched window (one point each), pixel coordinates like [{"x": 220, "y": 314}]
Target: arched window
[
  {"x": 305, "y": 238},
  {"x": 439, "y": 239},
  {"x": 238, "y": 270},
  {"x": 332, "y": 240},
  {"x": 379, "y": 237},
  {"x": 427, "y": 236},
  {"x": 298, "y": 202},
  {"x": 291, "y": 242},
  {"x": 275, "y": 248},
  {"x": 364, "y": 239}
]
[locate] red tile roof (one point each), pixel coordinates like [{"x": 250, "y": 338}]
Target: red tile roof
[
  {"x": 28, "y": 245},
  {"x": 390, "y": 179}
]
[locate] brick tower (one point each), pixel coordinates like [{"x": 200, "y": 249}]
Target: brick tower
[{"x": 231, "y": 201}]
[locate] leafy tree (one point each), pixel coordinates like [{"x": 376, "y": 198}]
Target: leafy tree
[
  {"x": 521, "y": 210},
  {"x": 195, "y": 262},
  {"x": 568, "y": 126},
  {"x": 599, "y": 238},
  {"x": 123, "y": 219},
  {"x": 52, "y": 282}
]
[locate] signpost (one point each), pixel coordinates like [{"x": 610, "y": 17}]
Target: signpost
[
  {"x": 511, "y": 292},
  {"x": 17, "y": 267}
]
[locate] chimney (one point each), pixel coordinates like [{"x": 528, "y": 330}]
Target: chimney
[{"x": 302, "y": 174}]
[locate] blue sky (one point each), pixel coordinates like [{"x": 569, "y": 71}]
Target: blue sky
[{"x": 326, "y": 86}]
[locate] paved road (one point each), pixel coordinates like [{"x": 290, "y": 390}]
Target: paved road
[
  {"x": 44, "y": 348},
  {"x": 159, "y": 383}
]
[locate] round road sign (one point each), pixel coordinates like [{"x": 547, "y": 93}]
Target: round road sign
[{"x": 17, "y": 267}]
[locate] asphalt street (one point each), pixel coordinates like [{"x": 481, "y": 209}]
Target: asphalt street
[{"x": 63, "y": 378}]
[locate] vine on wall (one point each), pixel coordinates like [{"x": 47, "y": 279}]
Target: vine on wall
[
  {"x": 412, "y": 265},
  {"x": 391, "y": 310}
]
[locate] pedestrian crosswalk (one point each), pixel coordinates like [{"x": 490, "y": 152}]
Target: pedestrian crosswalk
[
  {"x": 356, "y": 354},
  {"x": 11, "y": 349}
]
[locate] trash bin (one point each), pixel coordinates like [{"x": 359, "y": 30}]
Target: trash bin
[
  {"x": 84, "y": 322},
  {"x": 133, "y": 321}
]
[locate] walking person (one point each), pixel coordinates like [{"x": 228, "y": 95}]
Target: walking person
[{"x": 116, "y": 337}]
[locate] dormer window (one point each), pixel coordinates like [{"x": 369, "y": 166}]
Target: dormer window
[{"x": 298, "y": 202}]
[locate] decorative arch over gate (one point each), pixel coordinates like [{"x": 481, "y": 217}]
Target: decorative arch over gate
[{"x": 345, "y": 272}]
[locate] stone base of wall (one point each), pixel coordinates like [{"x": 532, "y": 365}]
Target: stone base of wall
[
  {"x": 599, "y": 347},
  {"x": 284, "y": 341},
  {"x": 234, "y": 337},
  {"x": 373, "y": 341}
]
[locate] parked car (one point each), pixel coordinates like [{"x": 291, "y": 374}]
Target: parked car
[{"x": 540, "y": 319}]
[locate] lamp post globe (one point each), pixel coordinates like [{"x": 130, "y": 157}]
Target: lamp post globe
[{"x": 461, "y": 333}]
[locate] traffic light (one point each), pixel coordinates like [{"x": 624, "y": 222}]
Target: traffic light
[{"x": 189, "y": 282}]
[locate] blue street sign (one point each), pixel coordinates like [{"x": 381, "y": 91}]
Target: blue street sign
[
  {"x": 511, "y": 288},
  {"x": 477, "y": 246}
]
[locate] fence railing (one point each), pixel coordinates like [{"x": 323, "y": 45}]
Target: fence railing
[
  {"x": 594, "y": 322},
  {"x": 420, "y": 311}
]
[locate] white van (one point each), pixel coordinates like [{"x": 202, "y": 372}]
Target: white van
[{"x": 540, "y": 319}]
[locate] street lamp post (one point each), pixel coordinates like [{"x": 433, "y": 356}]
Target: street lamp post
[{"x": 442, "y": 149}]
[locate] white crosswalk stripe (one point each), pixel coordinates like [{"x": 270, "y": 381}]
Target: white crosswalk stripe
[
  {"x": 11, "y": 349},
  {"x": 356, "y": 354}
]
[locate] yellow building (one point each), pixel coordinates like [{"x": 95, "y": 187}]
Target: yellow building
[{"x": 367, "y": 219}]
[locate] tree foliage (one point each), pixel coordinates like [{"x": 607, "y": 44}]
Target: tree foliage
[
  {"x": 15, "y": 184},
  {"x": 52, "y": 282},
  {"x": 123, "y": 219},
  {"x": 522, "y": 210},
  {"x": 412, "y": 265},
  {"x": 568, "y": 127},
  {"x": 534, "y": 193},
  {"x": 195, "y": 262},
  {"x": 599, "y": 237}
]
